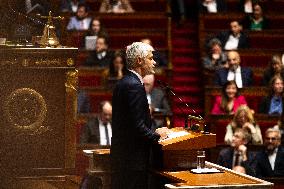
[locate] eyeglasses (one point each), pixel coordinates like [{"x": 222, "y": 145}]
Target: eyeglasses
[{"x": 272, "y": 138}]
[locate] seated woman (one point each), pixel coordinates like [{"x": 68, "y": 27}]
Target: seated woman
[
  {"x": 256, "y": 21},
  {"x": 116, "y": 6},
  {"x": 230, "y": 99},
  {"x": 243, "y": 118},
  {"x": 273, "y": 103},
  {"x": 215, "y": 58},
  {"x": 117, "y": 67},
  {"x": 95, "y": 29},
  {"x": 275, "y": 68}
]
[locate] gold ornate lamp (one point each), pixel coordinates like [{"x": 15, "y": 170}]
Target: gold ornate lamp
[{"x": 49, "y": 38}]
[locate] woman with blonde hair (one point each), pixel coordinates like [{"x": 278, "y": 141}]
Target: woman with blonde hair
[{"x": 244, "y": 118}]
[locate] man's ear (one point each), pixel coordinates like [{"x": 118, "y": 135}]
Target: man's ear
[{"x": 139, "y": 61}]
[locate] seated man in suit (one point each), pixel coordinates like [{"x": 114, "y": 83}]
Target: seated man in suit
[
  {"x": 156, "y": 98},
  {"x": 237, "y": 154},
  {"x": 101, "y": 56},
  {"x": 270, "y": 161},
  {"x": 81, "y": 21},
  {"x": 98, "y": 130},
  {"x": 242, "y": 75},
  {"x": 234, "y": 38}
]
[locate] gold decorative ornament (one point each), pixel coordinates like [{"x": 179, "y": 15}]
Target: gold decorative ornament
[
  {"x": 70, "y": 62},
  {"x": 49, "y": 38},
  {"x": 71, "y": 80},
  {"x": 25, "y": 109}
]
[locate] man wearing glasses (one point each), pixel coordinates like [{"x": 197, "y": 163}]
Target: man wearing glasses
[{"x": 270, "y": 161}]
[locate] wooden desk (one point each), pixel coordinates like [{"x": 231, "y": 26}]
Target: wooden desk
[{"x": 226, "y": 179}]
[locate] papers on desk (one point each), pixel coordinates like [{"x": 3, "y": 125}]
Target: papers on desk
[
  {"x": 175, "y": 135},
  {"x": 205, "y": 171}
]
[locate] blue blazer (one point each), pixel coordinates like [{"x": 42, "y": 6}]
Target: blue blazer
[
  {"x": 222, "y": 74},
  {"x": 131, "y": 126}
]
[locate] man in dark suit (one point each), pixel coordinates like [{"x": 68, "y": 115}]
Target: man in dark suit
[
  {"x": 101, "y": 56},
  {"x": 234, "y": 38},
  {"x": 237, "y": 155},
  {"x": 270, "y": 162},
  {"x": 98, "y": 129},
  {"x": 242, "y": 75},
  {"x": 157, "y": 99},
  {"x": 132, "y": 135}
]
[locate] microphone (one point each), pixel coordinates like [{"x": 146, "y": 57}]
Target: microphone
[{"x": 198, "y": 118}]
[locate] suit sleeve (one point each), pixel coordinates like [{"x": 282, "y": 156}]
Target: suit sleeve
[{"x": 137, "y": 109}]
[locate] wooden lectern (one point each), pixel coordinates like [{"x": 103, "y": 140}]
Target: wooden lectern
[
  {"x": 38, "y": 109},
  {"x": 179, "y": 151}
]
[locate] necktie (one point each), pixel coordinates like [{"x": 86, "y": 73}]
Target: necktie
[
  {"x": 28, "y": 5},
  {"x": 107, "y": 135},
  {"x": 237, "y": 159}
]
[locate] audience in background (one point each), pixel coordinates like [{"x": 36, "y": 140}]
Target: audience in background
[
  {"x": 215, "y": 58},
  {"x": 95, "y": 29},
  {"x": 246, "y": 6},
  {"x": 97, "y": 130},
  {"x": 101, "y": 56},
  {"x": 234, "y": 38},
  {"x": 212, "y": 6},
  {"x": 158, "y": 57},
  {"x": 83, "y": 101},
  {"x": 237, "y": 154},
  {"x": 244, "y": 118},
  {"x": 256, "y": 21},
  {"x": 280, "y": 126},
  {"x": 270, "y": 161},
  {"x": 273, "y": 103},
  {"x": 116, "y": 6},
  {"x": 70, "y": 5},
  {"x": 243, "y": 76},
  {"x": 230, "y": 99},
  {"x": 157, "y": 99},
  {"x": 81, "y": 21},
  {"x": 117, "y": 67},
  {"x": 275, "y": 68}
]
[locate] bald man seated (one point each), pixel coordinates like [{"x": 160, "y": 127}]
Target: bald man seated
[
  {"x": 157, "y": 99},
  {"x": 242, "y": 75}
]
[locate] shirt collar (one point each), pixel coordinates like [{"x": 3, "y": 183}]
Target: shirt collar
[{"x": 139, "y": 76}]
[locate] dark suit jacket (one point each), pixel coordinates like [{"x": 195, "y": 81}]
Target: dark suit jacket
[
  {"x": 222, "y": 74},
  {"x": 90, "y": 133},
  {"x": 264, "y": 106},
  {"x": 243, "y": 41},
  {"x": 93, "y": 60},
  {"x": 131, "y": 126},
  {"x": 225, "y": 159},
  {"x": 263, "y": 167},
  {"x": 221, "y": 6}
]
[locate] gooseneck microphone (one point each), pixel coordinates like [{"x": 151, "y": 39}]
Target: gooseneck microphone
[{"x": 198, "y": 118}]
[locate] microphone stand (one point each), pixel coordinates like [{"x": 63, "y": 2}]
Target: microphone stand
[{"x": 199, "y": 119}]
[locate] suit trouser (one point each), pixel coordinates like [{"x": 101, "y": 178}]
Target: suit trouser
[{"x": 129, "y": 179}]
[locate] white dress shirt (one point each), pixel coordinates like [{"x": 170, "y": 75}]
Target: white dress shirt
[
  {"x": 237, "y": 76},
  {"x": 211, "y": 6},
  {"x": 103, "y": 138},
  {"x": 272, "y": 158},
  {"x": 232, "y": 43}
]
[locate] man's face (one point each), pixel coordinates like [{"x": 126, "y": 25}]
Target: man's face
[
  {"x": 148, "y": 83},
  {"x": 106, "y": 113},
  {"x": 148, "y": 65},
  {"x": 101, "y": 45},
  {"x": 96, "y": 26},
  {"x": 238, "y": 139},
  {"x": 271, "y": 141},
  {"x": 81, "y": 12},
  {"x": 277, "y": 66},
  {"x": 233, "y": 60},
  {"x": 235, "y": 28}
]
